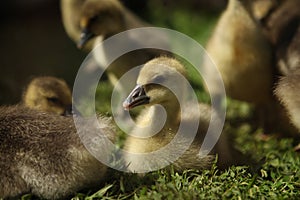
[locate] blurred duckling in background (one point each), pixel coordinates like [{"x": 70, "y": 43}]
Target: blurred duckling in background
[
  {"x": 48, "y": 94},
  {"x": 41, "y": 153},
  {"x": 288, "y": 92},
  {"x": 152, "y": 88},
  {"x": 288, "y": 87},
  {"x": 242, "y": 55},
  {"x": 84, "y": 20},
  {"x": 281, "y": 25},
  {"x": 283, "y": 30},
  {"x": 100, "y": 19}
]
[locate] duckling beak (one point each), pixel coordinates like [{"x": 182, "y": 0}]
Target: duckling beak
[
  {"x": 136, "y": 98},
  {"x": 85, "y": 36}
]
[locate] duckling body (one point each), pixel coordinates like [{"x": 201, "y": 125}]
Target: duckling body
[
  {"x": 282, "y": 29},
  {"x": 48, "y": 94},
  {"x": 288, "y": 92},
  {"x": 148, "y": 94},
  {"x": 242, "y": 54},
  {"x": 41, "y": 153}
]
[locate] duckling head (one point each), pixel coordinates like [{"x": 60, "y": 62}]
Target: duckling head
[
  {"x": 100, "y": 18},
  {"x": 48, "y": 94},
  {"x": 160, "y": 82}
]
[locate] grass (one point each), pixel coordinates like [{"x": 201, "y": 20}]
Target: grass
[{"x": 277, "y": 176}]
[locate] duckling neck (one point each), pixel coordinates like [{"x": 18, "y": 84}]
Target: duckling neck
[
  {"x": 156, "y": 119},
  {"x": 171, "y": 113}
]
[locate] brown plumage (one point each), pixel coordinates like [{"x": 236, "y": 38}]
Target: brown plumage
[
  {"x": 283, "y": 30},
  {"x": 281, "y": 25},
  {"x": 48, "y": 94},
  {"x": 165, "y": 71},
  {"x": 41, "y": 153}
]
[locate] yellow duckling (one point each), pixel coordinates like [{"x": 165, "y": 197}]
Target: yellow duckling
[
  {"x": 41, "y": 153},
  {"x": 48, "y": 94},
  {"x": 150, "y": 92},
  {"x": 242, "y": 55}
]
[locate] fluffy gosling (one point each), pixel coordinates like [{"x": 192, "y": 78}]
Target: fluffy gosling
[
  {"x": 41, "y": 153},
  {"x": 165, "y": 70},
  {"x": 48, "y": 94}
]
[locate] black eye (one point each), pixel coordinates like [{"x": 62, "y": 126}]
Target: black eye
[
  {"x": 53, "y": 99},
  {"x": 159, "y": 79},
  {"x": 93, "y": 19}
]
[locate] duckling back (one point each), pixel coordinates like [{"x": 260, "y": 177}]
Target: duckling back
[{"x": 42, "y": 154}]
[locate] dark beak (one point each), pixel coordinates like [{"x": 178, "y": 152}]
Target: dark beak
[
  {"x": 85, "y": 36},
  {"x": 136, "y": 98}
]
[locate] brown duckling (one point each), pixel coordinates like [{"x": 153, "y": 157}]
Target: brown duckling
[
  {"x": 48, "y": 94},
  {"x": 288, "y": 87},
  {"x": 150, "y": 92},
  {"x": 41, "y": 153},
  {"x": 283, "y": 30}
]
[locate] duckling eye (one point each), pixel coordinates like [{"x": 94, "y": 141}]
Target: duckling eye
[
  {"x": 159, "y": 79},
  {"x": 53, "y": 99},
  {"x": 94, "y": 18}
]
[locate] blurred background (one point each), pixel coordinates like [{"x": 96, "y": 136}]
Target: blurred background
[{"x": 34, "y": 43}]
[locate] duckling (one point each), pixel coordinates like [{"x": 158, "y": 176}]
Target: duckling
[
  {"x": 242, "y": 54},
  {"x": 100, "y": 19},
  {"x": 281, "y": 27},
  {"x": 287, "y": 90},
  {"x": 84, "y": 20},
  {"x": 288, "y": 87},
  {"x": 150, "y": 92},
  {"x": 283, "y": 30},
  {"x": 48, "y": 94},
  {"x": 41, "y": 153}
]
